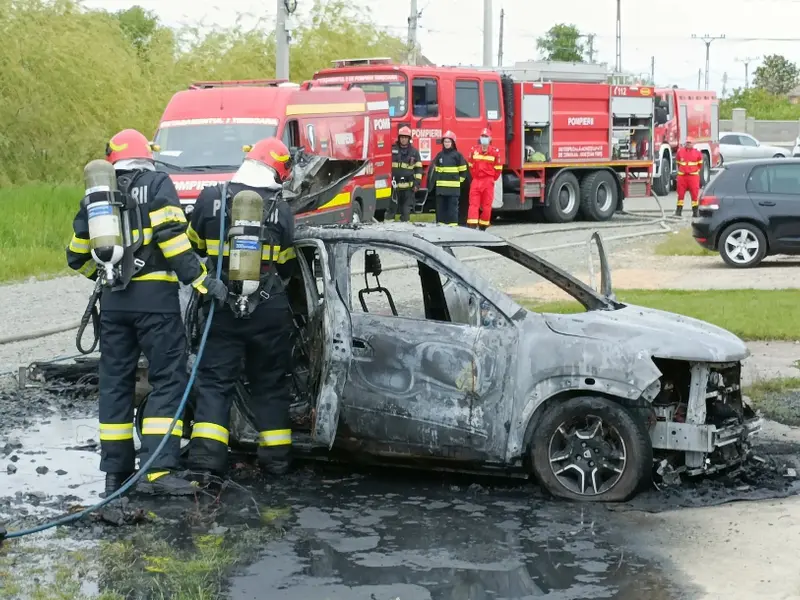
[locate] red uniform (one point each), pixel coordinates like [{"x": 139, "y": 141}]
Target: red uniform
[
  {"x": 690, "y": 162},
  {"x": 485, "y": 168}
]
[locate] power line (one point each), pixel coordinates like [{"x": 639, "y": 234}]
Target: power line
[{"x": 707, "y": 39}]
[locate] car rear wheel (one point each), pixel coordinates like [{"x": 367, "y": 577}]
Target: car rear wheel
[
  {"x": 590, "y": 449},
  {"x": 599, "y": 196},
  {"x": 742, "y": 245},
  {"x": 779, "y": 156},
  {"x": 563, "y": 199}
]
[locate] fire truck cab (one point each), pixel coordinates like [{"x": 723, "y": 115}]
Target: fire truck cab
[
  {"x": 206, "y": 130},
  {"x": 681, "y": 114},
  {"x": 570, "y": 142}
]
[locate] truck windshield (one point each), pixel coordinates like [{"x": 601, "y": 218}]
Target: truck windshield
[{"x": 207, "y": 147}]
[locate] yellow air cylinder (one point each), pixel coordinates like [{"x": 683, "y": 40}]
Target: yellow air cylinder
[{"x": 247, "y": 210}]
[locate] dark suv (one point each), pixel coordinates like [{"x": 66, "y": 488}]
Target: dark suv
[{"x": 751, "y": 210}]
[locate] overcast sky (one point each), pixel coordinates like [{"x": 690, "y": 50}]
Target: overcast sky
[{"x": 451, "y": 30}]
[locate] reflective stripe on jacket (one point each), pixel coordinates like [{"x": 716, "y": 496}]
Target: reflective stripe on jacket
[
  {"x": 690, "y": 162},
  {"x": 406, "y": 166},
  {"x": 485, "y": 164},
  {"x": 447, "y": 173}
]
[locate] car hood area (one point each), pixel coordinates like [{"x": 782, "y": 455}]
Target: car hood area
[{"x": 659, "y": 333}]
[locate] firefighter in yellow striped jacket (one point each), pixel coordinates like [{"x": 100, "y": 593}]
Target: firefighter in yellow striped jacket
[
  {"x": 261, "y": 340},
  {"x": 143, "y": 317}
]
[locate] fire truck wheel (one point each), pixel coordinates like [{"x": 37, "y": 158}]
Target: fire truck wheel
[
  {"x": 357, "y": 216},
  {"x": 563, "y": 199},
  {"x": 599, "y": 196},
  {"x": 662, "y": 184}
]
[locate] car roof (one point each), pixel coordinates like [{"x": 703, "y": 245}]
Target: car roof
[
  {"x": 724, "y": 133},
  {"x": 755, "y": 162},
  {"x": 434, "y": 233}
]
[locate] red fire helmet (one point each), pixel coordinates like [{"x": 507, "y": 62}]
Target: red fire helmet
[
  {"x": 126, "y": 145},
  {"x": 273, "y": 153}
]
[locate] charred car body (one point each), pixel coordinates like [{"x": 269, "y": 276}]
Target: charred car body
[{"x": 588, "y": 403}]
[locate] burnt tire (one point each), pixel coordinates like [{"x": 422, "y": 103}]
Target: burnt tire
[
  {"x": 612, "y": 464},
  {"x": 563, "y": 199},
  {"x": 599, "y": 196},
  {"x": 742, "y": 245},
  {"x": 662, "y": 184}
]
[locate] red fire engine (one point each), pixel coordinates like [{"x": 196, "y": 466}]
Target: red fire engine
[
  {"x": 205, "y": 130},
  {"x": 570, "y": 144},
  {"x": 678, "y": 115}
]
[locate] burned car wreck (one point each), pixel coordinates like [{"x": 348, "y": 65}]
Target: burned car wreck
[{"x": 589, "y": 404}]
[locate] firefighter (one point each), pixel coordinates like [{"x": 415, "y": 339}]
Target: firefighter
[
  {"x": 406, "y": 175},
  {"x": 260, "y": 340},
  {"x": 690, "y": 163},
  {"x": 485, "y": 168},
  {"x": 144, "y": 317},
  {"x": 446, "y": 177}
]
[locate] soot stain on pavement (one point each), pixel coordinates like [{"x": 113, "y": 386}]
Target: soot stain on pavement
[{"x": 373, "y": 537}]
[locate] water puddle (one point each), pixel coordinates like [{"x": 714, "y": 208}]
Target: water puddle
[
  {"x": 374, "y": 539},
  {"x": 51, "y": 459}
]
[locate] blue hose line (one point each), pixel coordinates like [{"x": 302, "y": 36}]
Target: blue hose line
[{"x": 144, "y": 468}]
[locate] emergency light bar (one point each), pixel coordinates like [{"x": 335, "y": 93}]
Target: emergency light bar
[
  {"x": 204, "y": 85},
  {"x": 354, "y": 62}
]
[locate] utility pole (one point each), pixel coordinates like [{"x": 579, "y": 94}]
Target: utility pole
[
  {"x": 281, "y": 43},
  {"x": 724, "y": 91},
  {"x": 699, "y": 77},
  {"x": 652, "y": 70},
  {"x": 413, "y": 20},
  {"x": 590, "y": 50},
  {"x": 618, "y": 66},
  {"x": 500, "y": 45},
  {"x": 487, "y": 33},
  {"x": 707, "y": 39},
  {"x": 747, "y": 62}
]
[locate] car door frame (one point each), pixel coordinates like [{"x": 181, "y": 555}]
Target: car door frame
[
  {"x": 757, "y": 153},
  {"x": 337, "y": 343},
  {"x": 486, "y": 341},
  {"x": 780, "y": 212},
  {"x": 732, "y": 152}
]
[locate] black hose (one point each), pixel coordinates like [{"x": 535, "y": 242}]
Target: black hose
[{"x": 92, "y": 313}]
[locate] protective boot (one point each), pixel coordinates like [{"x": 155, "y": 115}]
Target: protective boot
[
  {"x": 165, "y": 483},
  {"x": 114, "y": 481},
  {"x": 678, "y": 211},
  {"x": 695, "y": 211},
  {"x": 483, "y": 227},
  {"x": 274, "y": 462}
]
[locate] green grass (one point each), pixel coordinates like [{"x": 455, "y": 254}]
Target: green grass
[
  {"x": 778, "y": 399},
  {"x": 681, "y": 243},
  {"x": 750, "y": 314},
  {"x": 423, "y": 218},
  {"x": 35, "y": 229}
]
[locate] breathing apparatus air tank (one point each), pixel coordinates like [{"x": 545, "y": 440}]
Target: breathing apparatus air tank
[
  {"x": 103, "y": 202},
  {"x": 245, "y": 235}
]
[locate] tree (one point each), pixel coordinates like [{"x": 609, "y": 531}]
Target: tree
[
  {"x": 777, "y": 75},
  {"x": 562, "y": 42}
]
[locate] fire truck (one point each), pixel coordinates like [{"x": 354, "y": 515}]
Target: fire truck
[
  {"x": 680, "y": 114},
  {"x": 206, "y": 130},
  {"x": 571, "y": 143}
]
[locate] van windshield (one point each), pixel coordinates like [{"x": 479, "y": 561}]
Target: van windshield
[
  {"x": 202, "y": 146},
  {"x": 394, "y": 90}
]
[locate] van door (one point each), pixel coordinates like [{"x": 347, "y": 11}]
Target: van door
[
  {"x": 329, "y": 336},
  {"x": 469, "y": 112}
]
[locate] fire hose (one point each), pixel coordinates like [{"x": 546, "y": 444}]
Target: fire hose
[{"x": 131, "y": 481}]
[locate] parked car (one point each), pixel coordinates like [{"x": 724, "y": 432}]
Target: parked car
[
  {"x": 471, "y": 380},
  {"x": 751, "y": 210},
  {"x": 796, "y": 149},
  {"x": 735, "y": 146}
]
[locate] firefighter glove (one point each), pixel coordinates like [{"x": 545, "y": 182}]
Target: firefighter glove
[{"x": 216, "y": 289}]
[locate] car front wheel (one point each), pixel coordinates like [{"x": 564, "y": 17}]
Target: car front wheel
[
  {"x": 591, "y": 449},
  {"x": 742, "y": 245}
]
